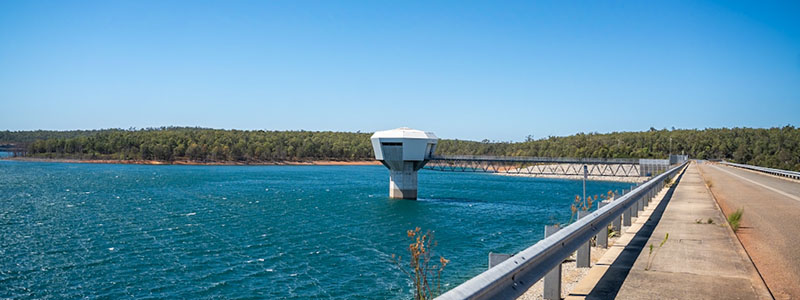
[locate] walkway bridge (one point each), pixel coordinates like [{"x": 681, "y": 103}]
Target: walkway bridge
[
  {"x": 617, "y": 167},
  {"x": 404, "y": 151}
]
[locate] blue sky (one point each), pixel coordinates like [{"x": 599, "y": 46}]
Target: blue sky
[{"x": 470, "y": 70}]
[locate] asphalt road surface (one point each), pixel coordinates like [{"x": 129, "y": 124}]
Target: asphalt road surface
[{"x": 770, "y": 225}]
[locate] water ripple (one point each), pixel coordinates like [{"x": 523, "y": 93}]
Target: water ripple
[{"x": 128, "y": 231}]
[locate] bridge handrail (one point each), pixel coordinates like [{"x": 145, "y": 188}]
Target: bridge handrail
[
  {"x": 778, "y": 172},
  {"x": 537, "y": 159},
  {"x": 514, "y": 276}
]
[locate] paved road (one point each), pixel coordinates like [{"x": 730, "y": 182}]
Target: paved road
[{"x": 770, "y": 229}]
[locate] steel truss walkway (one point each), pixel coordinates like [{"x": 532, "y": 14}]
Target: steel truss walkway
[{"x": 619, "y": 167}]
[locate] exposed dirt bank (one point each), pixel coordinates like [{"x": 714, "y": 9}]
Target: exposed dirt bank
[{"x": 199, "y": 163}]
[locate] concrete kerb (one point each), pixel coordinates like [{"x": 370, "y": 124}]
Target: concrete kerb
[{"x": 596, "y": 273}]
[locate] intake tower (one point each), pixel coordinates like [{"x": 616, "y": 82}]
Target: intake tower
[{"x": 403, "y": 151}]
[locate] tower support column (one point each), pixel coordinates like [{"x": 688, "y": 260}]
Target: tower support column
[{"x": 403, "y": 182}]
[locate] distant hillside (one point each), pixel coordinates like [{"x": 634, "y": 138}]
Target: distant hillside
[
  {"x": 773, "y": 147},
  {"x": 27, "y": 137}
]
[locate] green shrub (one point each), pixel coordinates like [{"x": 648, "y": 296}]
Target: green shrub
[{"x": 735, "y": 218}]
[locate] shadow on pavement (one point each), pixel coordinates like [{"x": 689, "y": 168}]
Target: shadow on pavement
[{"x": 609, "y": 285}]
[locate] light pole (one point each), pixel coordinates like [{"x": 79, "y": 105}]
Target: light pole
[{"x": 585, "y": 174}]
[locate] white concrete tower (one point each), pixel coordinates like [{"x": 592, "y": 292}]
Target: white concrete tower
[{"x": 403, "y": 151}]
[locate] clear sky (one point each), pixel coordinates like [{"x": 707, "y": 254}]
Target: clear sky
[{"x": 470, "y": 70}]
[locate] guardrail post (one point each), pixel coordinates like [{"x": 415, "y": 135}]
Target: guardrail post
[
  {"x": 552, "y": 280},
  {"x": 657, "y": 190},
  {"x": 497, "y": 258},
  {"x": 616, "y": 225},
  {"x": 602, "y": 236},
  {"x": 582, "y": 258},
  {"x": 654, "y": 191},
  {"x": 626, "y": 217},
  {"x": 635, "y": 208},
  {"x": 640, "y": 203},
  {"x": 646, "y": 199}
]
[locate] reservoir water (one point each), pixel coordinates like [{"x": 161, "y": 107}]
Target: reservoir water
[{"x": 121, "y": 231}]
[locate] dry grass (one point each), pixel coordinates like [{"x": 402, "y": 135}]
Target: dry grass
[{"x": 422, "y": 273}]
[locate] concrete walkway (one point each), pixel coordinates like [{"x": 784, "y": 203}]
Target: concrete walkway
[{"x": 699, "y": 260}]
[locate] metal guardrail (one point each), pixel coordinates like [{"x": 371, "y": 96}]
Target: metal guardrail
[
  {"x": 514, "y": 276},
  {"x": 777, "y": 172}
]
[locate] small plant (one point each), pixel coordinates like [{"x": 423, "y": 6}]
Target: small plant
[
  {"x": 611, "y": 232},
  {"x": 735, "y": 218},
  {"x": 421, "y": 269},
  {"x": 700, "y": 221},
  {"x": 576, "y": 205},
  {"x": 589, "y": 202},
  {"x": 668, "y": 182},
  {"x": 607, "y": 196},
  {"x": 709, "y": 183},
  {"x": 654, "y": 251}
]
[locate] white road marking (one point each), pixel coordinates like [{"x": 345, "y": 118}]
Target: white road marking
[{"x": 760, "y": 184}]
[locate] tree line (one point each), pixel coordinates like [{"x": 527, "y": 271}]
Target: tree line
[
  {"x": 769, "y": 147},
  {"x": 777, "y": 147}
]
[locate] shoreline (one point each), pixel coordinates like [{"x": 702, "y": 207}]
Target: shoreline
[
  {"x": 197, "y": 163},
  {"x": 580, "y": 177}
]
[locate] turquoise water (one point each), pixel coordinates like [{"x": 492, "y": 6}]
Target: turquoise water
[{"x": 114, "y": 231}]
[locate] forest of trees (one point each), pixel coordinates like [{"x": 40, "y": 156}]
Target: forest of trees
[{"x": 773, "y": 147}]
